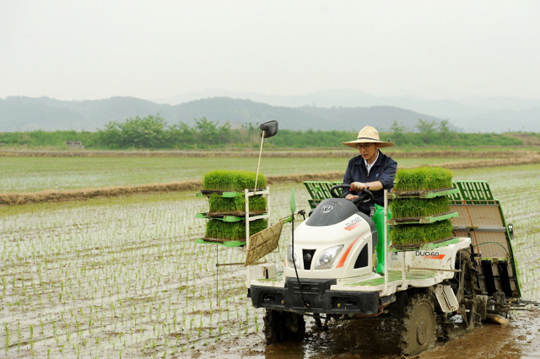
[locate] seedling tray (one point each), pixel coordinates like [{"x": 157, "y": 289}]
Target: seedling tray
[
  {"x": 423, "y": 193},
  {"x": 224, "y": 242},
  {"x": 229, "y": 217},
  {"x": 422, "y": 245},
  {"x": 423, "y": 220},
  {"x": 227, "y": 193}
]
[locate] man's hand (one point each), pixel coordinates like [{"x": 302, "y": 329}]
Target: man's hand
[
  {"x": 350, "y": 197},
  {"x": 358, "y": 186}
]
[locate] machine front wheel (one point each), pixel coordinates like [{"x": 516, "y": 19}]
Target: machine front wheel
[
  {"x": 280, "y": 326},
  {"x": 419, "y": 324}
]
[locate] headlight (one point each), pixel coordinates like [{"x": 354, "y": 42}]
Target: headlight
[
  {"x": 327, "y": 257},
  {"x": 290, "y": 257}
]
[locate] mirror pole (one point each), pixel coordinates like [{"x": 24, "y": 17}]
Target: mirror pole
[{"x": 259, "y": 164}]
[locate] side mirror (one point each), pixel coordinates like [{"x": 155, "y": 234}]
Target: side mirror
[{"x": 269, "y": 129}]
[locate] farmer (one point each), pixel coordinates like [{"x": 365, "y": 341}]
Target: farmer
[{"x": 371, "y": 170}]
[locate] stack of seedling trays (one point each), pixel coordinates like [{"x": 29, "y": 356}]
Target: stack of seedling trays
[
  {"x": 230, "y": 219},
  {"x": 420, "y": 207}
]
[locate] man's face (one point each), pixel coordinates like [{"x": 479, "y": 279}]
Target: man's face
[{"x": 367, "y": 150}]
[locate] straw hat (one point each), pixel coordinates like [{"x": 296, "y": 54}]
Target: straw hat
[{"x": 368, "y": 135}]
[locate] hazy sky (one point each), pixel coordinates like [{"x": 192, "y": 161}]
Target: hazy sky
[{"x": 73, "y": 50}]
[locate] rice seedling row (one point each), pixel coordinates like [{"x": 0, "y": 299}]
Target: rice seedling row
[
  {"x": 118, "y": 281},
  {"x": 127, "y": 280},
  {"x": 32, "y": 174}
]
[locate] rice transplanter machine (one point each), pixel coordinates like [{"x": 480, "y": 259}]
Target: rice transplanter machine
[{"x": 330, "y": 268}]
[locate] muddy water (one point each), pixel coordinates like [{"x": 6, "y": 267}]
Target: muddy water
[
  {"x": 378, "y": 339},
  {"x": 519, "y": 339}
]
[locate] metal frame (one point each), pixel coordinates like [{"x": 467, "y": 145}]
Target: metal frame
[
  {"x": 248, "y": 218},
  {"x": 319, "y": 190},
  {"x": 476, "y": 195}
]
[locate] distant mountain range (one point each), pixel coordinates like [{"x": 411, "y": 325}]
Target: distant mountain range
[
  {"x": 469, "y": 113},
  {"x": 28, "y": 114},
  {"x": 323, "y": 110}
]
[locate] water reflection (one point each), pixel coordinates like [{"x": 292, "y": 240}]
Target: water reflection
[
  {"x": 344, "y": 339},
  {"x": 380, "y": 339}
]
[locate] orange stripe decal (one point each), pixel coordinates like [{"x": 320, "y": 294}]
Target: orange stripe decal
[
  {"x": 344, "y": 257},
  {"x": 353, "y": 226},
  {"x": 441, "y": 256}
]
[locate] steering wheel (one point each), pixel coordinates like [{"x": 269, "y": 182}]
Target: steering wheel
[{"x": 364, "y": 196}]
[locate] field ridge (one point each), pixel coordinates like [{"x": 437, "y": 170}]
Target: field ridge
[
  {"x": 196, "y": 185},
  {"x": 292, "y": 153}
]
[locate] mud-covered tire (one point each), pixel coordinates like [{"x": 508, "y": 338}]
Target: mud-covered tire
[
  {"x": 419, "y": 324},
  {"x": 272, "y": 326},
  {"x": 280, "y": 326}
]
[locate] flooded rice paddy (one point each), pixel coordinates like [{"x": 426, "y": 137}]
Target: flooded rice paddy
[{"x": 124, "y": 279}]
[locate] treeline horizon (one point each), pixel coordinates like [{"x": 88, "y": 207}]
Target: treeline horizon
[{"x": 153, "y": 132}]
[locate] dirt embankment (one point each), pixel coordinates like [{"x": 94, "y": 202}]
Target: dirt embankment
[
  {"x": 298, "y": 153},
  {"x": 83, "y": 194},
  {"x": 527, "y": 139},
  {"x": 87, "y": 193}
]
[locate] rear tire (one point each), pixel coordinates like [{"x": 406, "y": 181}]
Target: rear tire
[{"x": 280, "y": 326}]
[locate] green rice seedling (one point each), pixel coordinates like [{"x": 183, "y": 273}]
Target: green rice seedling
[
  {"x": 417, "y": 207},
  {"x": 233, "y": 231},
  {"x": 220, "y": 204},
  {"x": 424, "y": 233},
  {"x": 423, "y": 178},
  {"x": 232, "y": 180},
  {"x": 6, "y": 338}
]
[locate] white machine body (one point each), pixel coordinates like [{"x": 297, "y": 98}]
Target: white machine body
[
  {"x": 333, "y": 249},
  {"x": 334, "y": 256}
]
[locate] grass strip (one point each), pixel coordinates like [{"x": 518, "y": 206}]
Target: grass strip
[
  {"x": 233, "y": 231},
  {"x": 423, "y": 178},
  {"x": 232, "y": 180},
  {"x": 418, "y": 207},
  {"x": 421, "y": 233}
]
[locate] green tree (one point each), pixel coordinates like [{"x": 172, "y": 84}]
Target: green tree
[
  {"x": 147, "y": 132},
  {"x": 110, "y": 136},
  {"x": 225, "y": 133},
  {"x": 443, "y": 127},
  {"x": 180, "y": 135},
  {"x": 398, "y": 133},
  {"x": 207, "y": 131},
  {"x": 427, "y": 130},
  {"x": 446, "y": 134},
  {"x": 250, "y": 133},
  {"x": 426, "y": 127}
]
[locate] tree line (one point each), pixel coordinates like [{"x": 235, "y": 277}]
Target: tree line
[{"x": 153, "y": 132}]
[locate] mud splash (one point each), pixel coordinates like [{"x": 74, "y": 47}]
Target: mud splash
[{"x": 379, "y": 340}]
